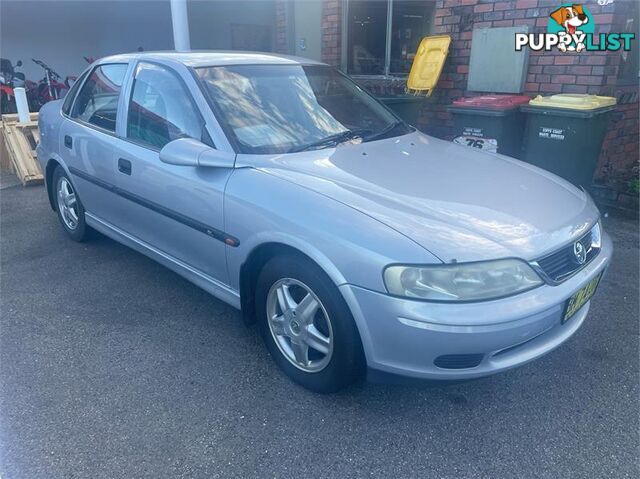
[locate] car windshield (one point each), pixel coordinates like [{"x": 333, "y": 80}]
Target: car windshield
[{"x": 267, "y": 109}]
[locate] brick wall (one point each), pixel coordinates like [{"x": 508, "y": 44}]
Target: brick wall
[
  {"x": 331, "y": 38},
  {"x": 548, "y": 73}
]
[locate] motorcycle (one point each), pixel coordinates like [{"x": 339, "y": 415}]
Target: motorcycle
[
  {"x": 51, "y": 87},
  {"x": 9, "y": 79}
]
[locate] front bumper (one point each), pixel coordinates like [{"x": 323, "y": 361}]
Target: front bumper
[{"x": 405, "y": 337}]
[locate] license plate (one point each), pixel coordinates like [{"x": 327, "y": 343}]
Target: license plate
[{"x": 580, "y": 298}]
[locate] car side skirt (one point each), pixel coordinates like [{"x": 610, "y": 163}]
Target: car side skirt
[{"x": 195, "y": 276}]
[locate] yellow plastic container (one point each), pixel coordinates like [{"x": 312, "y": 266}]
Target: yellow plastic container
[
  {"x": 573, "y": 101},
  {"x": 428, "y": 63}
]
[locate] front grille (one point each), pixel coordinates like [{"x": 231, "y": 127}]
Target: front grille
[
  {"x": 562, "y": 264},
  {"x": 458, "y": 361}
]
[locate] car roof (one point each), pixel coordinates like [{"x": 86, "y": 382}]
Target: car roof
[{"x": 205, "y": 58}]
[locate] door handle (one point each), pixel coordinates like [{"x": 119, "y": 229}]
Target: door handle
[
  {"x": 124, "y": 166},
  {"x": 68, "y": 141}
]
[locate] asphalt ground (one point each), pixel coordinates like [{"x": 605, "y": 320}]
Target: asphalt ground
[{"x": 111, "y": 366}]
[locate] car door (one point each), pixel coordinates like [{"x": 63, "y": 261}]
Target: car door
[
  {"x": 87, "y": 138},
  {"x": 175, "y": 209}
]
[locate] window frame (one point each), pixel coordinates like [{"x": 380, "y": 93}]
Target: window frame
[
  {"x": 205, "y": 135},
  {"x": 344, "y": 48},
  {"x": 84, "y": 81},
  {"x": 73, "y": 92}
]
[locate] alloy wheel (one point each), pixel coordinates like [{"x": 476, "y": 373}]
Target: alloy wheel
[
  {"x": 300, "y": 325},
  {"x": 67, "y": 203}
]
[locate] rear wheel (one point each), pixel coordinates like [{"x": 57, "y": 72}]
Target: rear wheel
[
  {"x": 69, "y": 206},
  {"x": 307, "y": 326}
]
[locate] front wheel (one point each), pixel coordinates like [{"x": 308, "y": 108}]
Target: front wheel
[{"x": 307, "y": 326}]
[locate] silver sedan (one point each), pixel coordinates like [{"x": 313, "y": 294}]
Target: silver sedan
[{"x": 353, "y": 240}]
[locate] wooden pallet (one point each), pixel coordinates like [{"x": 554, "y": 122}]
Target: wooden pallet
[{"x": 20, "y": 140}]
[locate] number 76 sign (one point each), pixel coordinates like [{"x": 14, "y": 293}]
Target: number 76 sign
[{"x": 485, "y": 144}]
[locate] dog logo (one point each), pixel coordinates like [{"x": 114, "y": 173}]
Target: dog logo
[
  {"x": 579, "y": 252},
  {"x": 572, "y": 18},
  {"x": 571, "y": 28}
]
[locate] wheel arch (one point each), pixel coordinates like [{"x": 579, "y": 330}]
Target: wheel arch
[
  {"x": 258, "y": 257},
  {"x": 52, "y": 164}
]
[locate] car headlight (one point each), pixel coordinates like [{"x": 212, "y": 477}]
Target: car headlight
[{"x": 462, "y": 281}]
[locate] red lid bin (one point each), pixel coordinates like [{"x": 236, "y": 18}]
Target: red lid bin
[{"x": 491, "y": 123}]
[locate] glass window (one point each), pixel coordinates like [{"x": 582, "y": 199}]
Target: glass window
[
  {"x": 97, "y": 102},
  {"x": 161, "y": 110},
  {"x": 68, "y": 99},
  {"x": 411, "y": 22},
  {"x": 368, "y": 40},
  {"x": 285, "y": 108}
]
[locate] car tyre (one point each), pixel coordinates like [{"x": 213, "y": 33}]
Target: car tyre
[
  {"x": 69, "y": 207},
  {"x": 329, "y": 365}
]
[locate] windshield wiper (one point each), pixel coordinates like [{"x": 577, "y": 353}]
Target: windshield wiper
[
  {"x": 331, "y": 140},
  {"x": 385, "y": 131}
]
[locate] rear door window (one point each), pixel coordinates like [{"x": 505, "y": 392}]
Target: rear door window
[
  {"x": 97, "y": 102},
  {"x": 68, "y": 99}
]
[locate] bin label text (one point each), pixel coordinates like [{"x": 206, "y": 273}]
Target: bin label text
[{"x": 551, "y": 133}]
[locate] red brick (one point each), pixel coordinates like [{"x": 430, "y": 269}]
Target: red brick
[
  {"x": 579, "y": 70},
  {"x": 525, "y": 21},
  {"x": 596, "y": 60},
  {"x": 543, "y": 78},
  {"x": 463, "y": 69},
  {"x": 566, "y": 59},
  {"x": 451, "y": 20},
  {"x": 542, "y": 22},
  {"x": 574, "y": 89},
  {"x": 526, "y": 3},
  {"x": 588, "y": 80},
  {"x": 483, "y": 7},
  {"x": 563, "y": 79},
  {"x": 443, "y": 12},
  {"x": 551, "y": 87},
  {"x": 502, "y": 6},
  {"x": 503, "y": 23},
  {"x": 532, "y": 87},
  {"x": 545, "y": 60}
]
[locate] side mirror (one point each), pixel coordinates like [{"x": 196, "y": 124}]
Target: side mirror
[
  {"x": 19, "y": 64},
  {"x": 190, "y": 152}
]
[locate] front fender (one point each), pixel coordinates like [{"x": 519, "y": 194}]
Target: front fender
[{"x": 351, "y": 247}]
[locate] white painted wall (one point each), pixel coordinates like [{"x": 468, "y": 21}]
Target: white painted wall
[
  {"x": 61, "y": 32},
  {"x": 210, "y": 21}
]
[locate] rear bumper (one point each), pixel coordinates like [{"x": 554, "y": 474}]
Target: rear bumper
[{"x": 404, "y": 337}]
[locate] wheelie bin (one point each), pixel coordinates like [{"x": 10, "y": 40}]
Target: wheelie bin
[
  {"x": 564, "y": 134},
  {"x": 490, "y": 122}
]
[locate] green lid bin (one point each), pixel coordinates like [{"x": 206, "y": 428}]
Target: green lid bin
[{"x": 564, "y": 134}]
